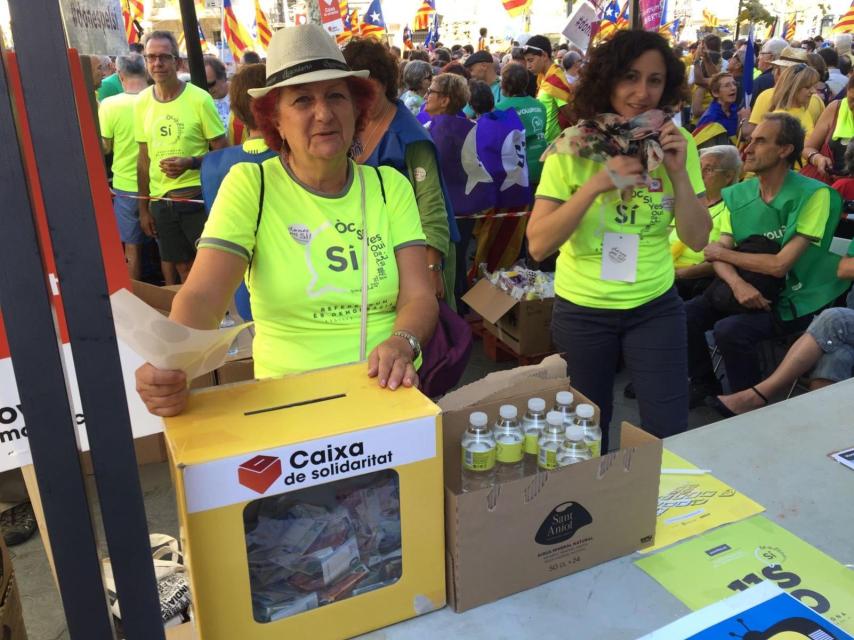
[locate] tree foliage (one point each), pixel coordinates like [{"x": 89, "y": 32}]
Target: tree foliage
[{"x": 753, "y": 11}]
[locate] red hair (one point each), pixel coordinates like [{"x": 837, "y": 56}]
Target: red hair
[{"x": 265, "y": 109}]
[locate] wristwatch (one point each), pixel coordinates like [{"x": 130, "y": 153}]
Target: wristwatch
[{"x": 412, "y": 340}]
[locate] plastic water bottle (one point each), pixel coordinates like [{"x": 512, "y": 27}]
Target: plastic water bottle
[
  {"x": 564, "y": 401},
  {"x": 550, "y": 440},
  {"x": 227, "y": 323},
  {"x": 592, "y": 431},
  {"x": 478, "y": 451},
  {"x": 509, "y": 445},
  {"x": 533, "y": 423},
  {"x": 573, "y": 448}
]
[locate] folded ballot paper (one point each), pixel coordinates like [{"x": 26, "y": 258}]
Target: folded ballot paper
[{"x": 167, "y": 344}]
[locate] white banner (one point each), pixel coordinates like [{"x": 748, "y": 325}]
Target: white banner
[
  {"x": 579, "y": 29},
  {"x": 94, "y": 26},
  {"x": 249, "y": 476},
  {"x": 14, "y": 430}
]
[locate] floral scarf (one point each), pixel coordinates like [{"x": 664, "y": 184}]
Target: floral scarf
[{"x": 609, "y": 135}]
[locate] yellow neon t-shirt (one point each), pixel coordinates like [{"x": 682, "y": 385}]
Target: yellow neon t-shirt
[
  {"x": 811, "y": 221},
  {"x": 648, "y": 213},
  {"x": 685, "y": 256},
  {"x": 115, "y": 115},
  {"x": 181, "y": 127},
  {"x": 306, "y": 278},
  {"x": 763, "y": 106}
]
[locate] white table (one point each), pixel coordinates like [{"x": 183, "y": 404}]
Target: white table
[{"x": 777, "y": 456}]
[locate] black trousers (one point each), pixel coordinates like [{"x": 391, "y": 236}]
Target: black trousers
[
  {"x": 737, "y": 337},
  {"x": 652, "y": 341}
]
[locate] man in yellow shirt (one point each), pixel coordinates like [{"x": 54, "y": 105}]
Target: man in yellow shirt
[
  {"x": 175, "y": 124},
  {"x": 117, "y": 134}
]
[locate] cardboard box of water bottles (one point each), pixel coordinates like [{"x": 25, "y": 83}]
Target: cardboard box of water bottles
[
  {"x": 310, "y": 506},
  {"x": 518, "y": 534}
]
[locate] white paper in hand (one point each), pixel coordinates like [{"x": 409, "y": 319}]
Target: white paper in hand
[{"x": 167, "y": 344}]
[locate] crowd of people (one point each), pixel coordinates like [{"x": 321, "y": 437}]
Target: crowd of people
[{"x": 687, "y": 211}]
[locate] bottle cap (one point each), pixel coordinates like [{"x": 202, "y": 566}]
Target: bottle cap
[
  {"x": 554, "y": 419},
  {"x": 478, "y": 419},
  {"x": 508, "y": 411},
  {"x": 537, "y": 405},
  {"x": 564, "y": 397},
  {"x": 584, "y": 411},
  {"x": 575, "y": 432}
]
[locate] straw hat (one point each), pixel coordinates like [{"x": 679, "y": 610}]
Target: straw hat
[
  {"x": 791, "y": 56},
  {"x": 298, "y": 55}
]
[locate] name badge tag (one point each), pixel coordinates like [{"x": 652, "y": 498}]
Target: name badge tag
[{"x": 620, "y": 256}]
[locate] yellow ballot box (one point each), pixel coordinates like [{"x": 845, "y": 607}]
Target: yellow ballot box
[{"x": 310, "y": 505}]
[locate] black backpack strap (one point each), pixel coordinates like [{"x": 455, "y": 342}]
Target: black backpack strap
[
  {"x": 258, "y": 219},
  {"x": 382, "y": 186}
]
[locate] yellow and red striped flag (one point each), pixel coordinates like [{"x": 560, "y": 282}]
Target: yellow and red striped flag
[
  {"x": 262, "y": 27},
  {"x": 343, "y": 37},
  {"x": 789, "y": 30},
  {"x": 133, "y": 11},
  {"x": 236, "y": 36},
  {"x": 424, "y": 15},
  {"x": 355, "y": 23},
  {"x": 516, "y": 7},
  {"x": 846, "y": 22}
]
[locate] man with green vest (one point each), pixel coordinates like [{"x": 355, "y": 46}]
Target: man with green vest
[{"x": 799, "y": 214}]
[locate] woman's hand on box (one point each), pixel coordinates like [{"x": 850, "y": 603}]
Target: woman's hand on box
[
  {"x": 163, "y": 392},
  {"x": 391, "y": 364}
]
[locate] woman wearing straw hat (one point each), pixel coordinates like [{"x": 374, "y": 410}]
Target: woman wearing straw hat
[{"x": 333, "y": 253}]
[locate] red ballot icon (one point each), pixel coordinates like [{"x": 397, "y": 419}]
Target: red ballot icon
[{"x": 259, "y": 472}]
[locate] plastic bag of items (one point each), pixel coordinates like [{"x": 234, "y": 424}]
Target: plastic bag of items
[
  {"x": 522, "y": 283},
  {"x": 323, "y": 544}
]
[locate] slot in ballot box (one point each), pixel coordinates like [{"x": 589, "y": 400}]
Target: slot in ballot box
[{"x": 311, "y": 506}]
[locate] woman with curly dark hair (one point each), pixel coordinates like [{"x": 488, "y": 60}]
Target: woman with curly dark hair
[{"x": 611, "y": 187}]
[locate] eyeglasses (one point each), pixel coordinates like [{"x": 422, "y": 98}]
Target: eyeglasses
[
  {"x": 432, "y": 90},
  {"x": 165, "y": 58}
]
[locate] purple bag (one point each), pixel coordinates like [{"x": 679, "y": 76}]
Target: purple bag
[
  {"x": 501, "y": 150},
  {"x": 446, "y": 354}
]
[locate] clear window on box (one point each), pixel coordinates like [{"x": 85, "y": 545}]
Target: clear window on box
[{"x": 323, "y": 544}]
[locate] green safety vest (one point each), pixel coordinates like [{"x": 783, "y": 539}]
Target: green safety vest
[{"x": 811, "y": 282}]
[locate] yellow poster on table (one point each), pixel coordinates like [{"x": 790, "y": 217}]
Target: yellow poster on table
[{"x": 695, "y": 501}]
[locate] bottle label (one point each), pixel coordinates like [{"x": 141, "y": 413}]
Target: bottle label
[
  {"x": 547, "y": 459},
  {"x": 508, "y": 452},
  {"x": 478, "y": 460},
  {"x": 595, "y": 447},
  {"x": 531, "y": 440}
]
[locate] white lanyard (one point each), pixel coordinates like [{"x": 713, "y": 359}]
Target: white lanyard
[{"x": 363, "y": 337}]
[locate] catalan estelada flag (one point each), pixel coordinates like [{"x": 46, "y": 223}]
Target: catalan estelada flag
[
  {"x": 407, "y": 38},
  {"x": 262, "y": 27},
  {"x": 236, "y": 36},
  {"x": 846, "y": 22},
  {"x": 610, "y": 19},
  {"x": 373, "y": 23},
  {"x": 709, "y": 18},
  {"x": 424, "y": 15},
  {"x": 516, "y": 7}
]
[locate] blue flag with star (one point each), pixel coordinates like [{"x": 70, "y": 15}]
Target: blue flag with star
[{"x": 373, "y": 23}]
